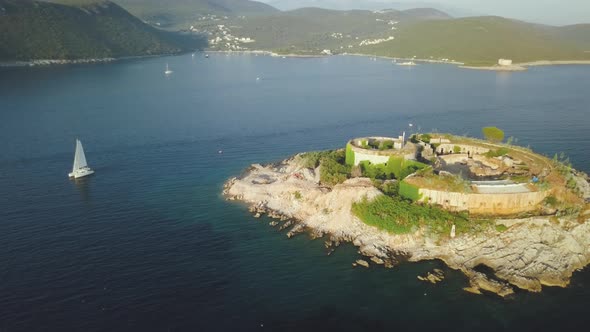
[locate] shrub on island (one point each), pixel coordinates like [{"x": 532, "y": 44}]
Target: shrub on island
[{"x": 398, "y": 216}]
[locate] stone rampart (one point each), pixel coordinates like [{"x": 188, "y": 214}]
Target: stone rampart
[
  {"x": 374, "y": 156},
  {"x": 470, "y": 150},
  {"x": 485, "y": 204}
]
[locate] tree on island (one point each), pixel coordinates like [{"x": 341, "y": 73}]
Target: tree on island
[{"x": 493, "y": 134}]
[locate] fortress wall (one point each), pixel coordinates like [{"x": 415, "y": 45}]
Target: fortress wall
[
  {"x": 497, "y": 204},
  {"x": 379, "y": 156},
  {"x": 505, "y": 204},
  {"x": 374, "y": 159},
  {"x": 465, "y": 149}
]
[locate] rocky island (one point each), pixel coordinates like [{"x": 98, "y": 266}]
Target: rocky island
[{"x": 503, "y": 215}]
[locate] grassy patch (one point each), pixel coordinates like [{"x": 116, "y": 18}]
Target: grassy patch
[
  {"x": 349, "y": 155},
  {"x": 395, "y": 168},
  {"x": 501, "y": 228},
  {"x": 498, "y": 152},
  {"x": 399, "y": 216},
  {"x": 428, "y": 179},
  {"x": 333, "y": 168},
  {"x": 409, "y": 191}
]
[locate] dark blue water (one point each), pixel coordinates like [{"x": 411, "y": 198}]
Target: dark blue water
[{"x": 148, "y": 244}]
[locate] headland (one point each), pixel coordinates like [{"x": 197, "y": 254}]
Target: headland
[{"x": 477, "y": 205}]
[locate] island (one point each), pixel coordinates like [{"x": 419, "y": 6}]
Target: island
[{"x": 507, "y": 217}]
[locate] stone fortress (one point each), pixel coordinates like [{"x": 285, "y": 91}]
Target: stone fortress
[
  {"x": 468, "y": 174},
  {"x": 378, "y": 150}
]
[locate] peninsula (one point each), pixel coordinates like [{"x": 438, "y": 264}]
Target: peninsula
[{"x": 477, "y": 205}]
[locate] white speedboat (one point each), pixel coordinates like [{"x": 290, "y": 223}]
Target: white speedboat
[
  {"x": 168, "y": 71},
  {"x": 80, "y": 168}
]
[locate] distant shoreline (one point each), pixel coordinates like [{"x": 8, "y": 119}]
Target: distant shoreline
[
  {"x": 523, "y": 66},
  {"x": 405, "y": 59},
  {"x": 49, "y": 62},
  {"x": 517, "y": 67},
  {"x": 52, "y": 62},
  {"x": 496, "y": 68}
]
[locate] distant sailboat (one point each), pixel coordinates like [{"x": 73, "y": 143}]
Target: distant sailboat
[
  {"x": 168, "y": 71},
  {"x": 80, "y": 168}
]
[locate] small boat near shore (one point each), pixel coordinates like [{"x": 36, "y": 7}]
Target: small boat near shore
[
  {"x": 168, "y": 71},
  {"x": 408, "y": 63}
]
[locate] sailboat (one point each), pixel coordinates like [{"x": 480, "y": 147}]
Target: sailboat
[
  {"x": 80, "y": 168},
  {"x": 168, "y": 71}
]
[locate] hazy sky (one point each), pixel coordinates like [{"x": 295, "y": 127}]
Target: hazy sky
[
  {"x": 557, "y": 12},
  {"x": 546, "y": 11}
]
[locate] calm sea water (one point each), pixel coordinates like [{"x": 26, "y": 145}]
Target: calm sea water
[{"x": 148, "y": 243}]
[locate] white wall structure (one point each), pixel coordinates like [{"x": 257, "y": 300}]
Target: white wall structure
[
  {"x": 505, "y": 62},
  {"x": 400, "y": 149}
]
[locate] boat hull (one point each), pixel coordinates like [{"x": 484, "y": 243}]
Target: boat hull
[{"x": 80, "y": 173}]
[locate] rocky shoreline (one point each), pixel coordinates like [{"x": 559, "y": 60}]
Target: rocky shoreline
[{"x": 531, "y": 253}]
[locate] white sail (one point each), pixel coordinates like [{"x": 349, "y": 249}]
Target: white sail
[{"x": 79, "y": 158}]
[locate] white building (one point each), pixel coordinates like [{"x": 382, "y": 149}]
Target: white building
[{"x": 505, "y": 62}]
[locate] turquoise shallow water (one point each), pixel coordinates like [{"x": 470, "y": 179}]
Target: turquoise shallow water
[{"x": 148, "y": 244}]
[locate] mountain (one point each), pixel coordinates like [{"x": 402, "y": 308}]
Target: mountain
[
  {"x": 367, "y": 5},
  {"x": 81, "y": 29},
  {"x": 178, "y": 13},
  {"x": 578, "y": 33},
  {"x": 310, "y": 30},
  {"x": 422, "y": 33},
  {"x": 483, "y": 40}
]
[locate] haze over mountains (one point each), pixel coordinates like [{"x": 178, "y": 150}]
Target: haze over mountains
[
  {"x": 370, "y": 5},
  {"x": 552, "y": 12}
]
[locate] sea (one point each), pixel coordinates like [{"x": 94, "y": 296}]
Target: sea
[{"x": 149, "y": 244}]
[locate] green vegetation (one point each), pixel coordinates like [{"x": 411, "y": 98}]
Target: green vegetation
[
  {"x": 481, "y": 41},
  {"x": 426, "y": 178},
  {"x": 312, "y": 159},
  {"x": 85, "y": 29},
  {"x": 493, "y": 134},
  {"x": 389, "y": 188},
  {"x": 551, "y": 201},
  {"x": 398, "y": 216},
  {"x": 183, "y": 13},
  {"x": 501, "y": 228},
  {"x": 409, "y": 191},
  {"x": 456, "y": 149},
  {"x": 396, "y": 167},
  {"x": 297, "y": 195},
  {"x": 498, "y": 152},
  {"x": 349, "y": 155},
  {"x": 386, "y": 145},
  {"x": 333, "y": 168}
]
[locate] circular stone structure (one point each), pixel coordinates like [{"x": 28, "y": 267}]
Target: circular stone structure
[
  {"x": 378, "y": 150},
  {"x": 452, "y": 188}
]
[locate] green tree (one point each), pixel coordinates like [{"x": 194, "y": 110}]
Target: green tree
[{"x": 493, "y": 134}]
